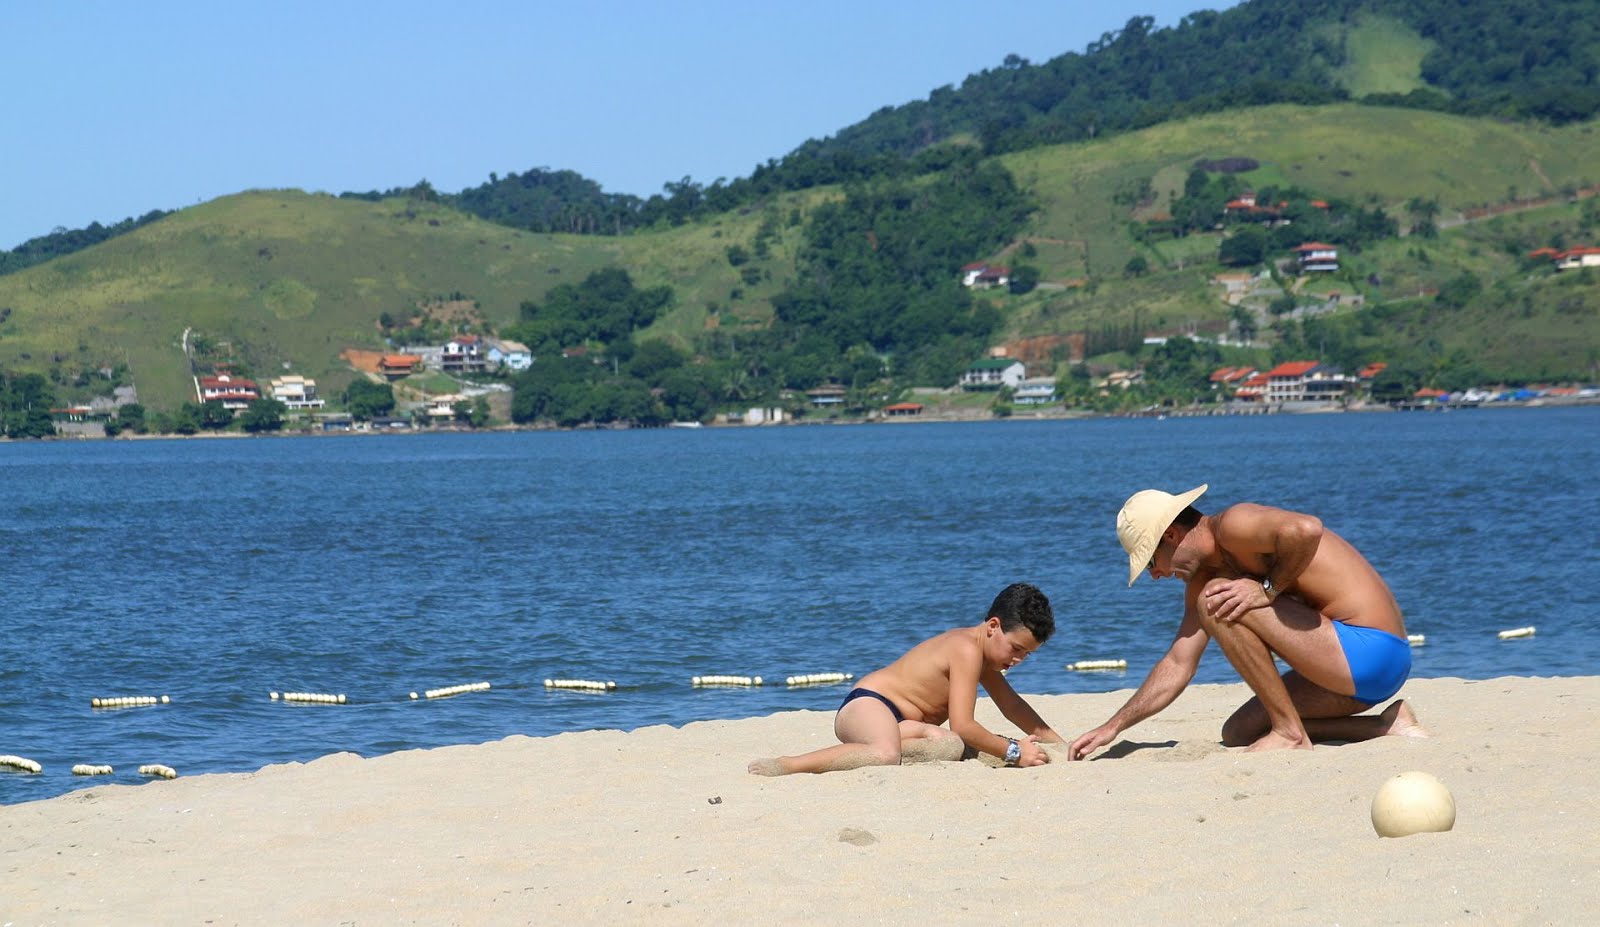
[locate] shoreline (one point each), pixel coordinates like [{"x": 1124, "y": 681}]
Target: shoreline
[
  {"x": 1057, "y": 415},
  {"x": 662, "y": 825}
]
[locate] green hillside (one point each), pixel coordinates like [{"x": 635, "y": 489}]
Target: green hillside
[
  {"x": 288, "y": 280},
  {"x": 285, "y": 281}
]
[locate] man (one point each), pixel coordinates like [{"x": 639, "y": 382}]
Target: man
[{"x": 1265, "y": 582}]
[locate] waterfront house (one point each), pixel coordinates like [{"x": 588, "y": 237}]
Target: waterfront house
[
  {"x": 829, "y": 394},
  {"x": 233, "y": 392},
  {"x": 463, "y": 354},
  {"x": 295, "y": 392},
  {"x": 395, "y": 366},
  {"x": 993, "y": 373},
  {"x": 903, "y": 409},
  {"x": 1297, "y": 381},
  {"x": 512, "y": 355},
  {"x": 1035, "y": 391}
]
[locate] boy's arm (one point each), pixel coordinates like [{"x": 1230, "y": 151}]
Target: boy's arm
[
  {"x": 1016, "y": 709},
  {"x": 966, "y": 668}
]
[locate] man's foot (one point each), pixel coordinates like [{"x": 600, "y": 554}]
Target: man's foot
[
  {"x": 1398, "y": 719},
  {"x": 1273, "y": 740},
  {"x": 768, "y": 767}
]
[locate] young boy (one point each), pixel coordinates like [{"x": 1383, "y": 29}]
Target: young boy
[{"x": 905, "y": 702}]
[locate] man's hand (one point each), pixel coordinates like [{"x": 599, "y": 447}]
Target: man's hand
[
  {"x": 1092, "y": 741},
  {"x": 1229, "y": 599},
  {"x": 1032, "y": 753}
]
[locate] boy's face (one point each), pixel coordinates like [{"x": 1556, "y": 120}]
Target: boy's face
[{"x": 1005, "y": 649}]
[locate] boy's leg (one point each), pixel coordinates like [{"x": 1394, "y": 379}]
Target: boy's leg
[
  {"x": 868, "y": 735},
  {"x": 921, "y": 742}
]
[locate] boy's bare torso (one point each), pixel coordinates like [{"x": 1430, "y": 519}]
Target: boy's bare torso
[{"x": 919, "y": 682}]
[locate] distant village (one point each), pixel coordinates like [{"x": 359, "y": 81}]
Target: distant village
[{"x": 1295, "y": 386}]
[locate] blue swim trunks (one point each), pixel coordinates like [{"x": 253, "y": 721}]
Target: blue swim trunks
[
  {"x": 868, "y": 693},
  {"x": 1379, "y": 661}
]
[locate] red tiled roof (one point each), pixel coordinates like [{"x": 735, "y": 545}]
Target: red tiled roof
[
  {"x": 1316, "y": 246},
  {"x": 1372, "y": 370},
  {"x": 1292, "y": 369},
  {"x": 904, "y": 407},
  {"x": 400, "y": 360},
  {"x": 227, "y": 383}
]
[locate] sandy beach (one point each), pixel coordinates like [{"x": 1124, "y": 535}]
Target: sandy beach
[{"x": 663, "y": 825}]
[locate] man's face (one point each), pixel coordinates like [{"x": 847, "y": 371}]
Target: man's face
[{"x": 1165, "y": 560}]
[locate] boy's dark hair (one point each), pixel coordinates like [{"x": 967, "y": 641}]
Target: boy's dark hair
[
  {"x": 1189, "y": 517},
  {"x": 1020, "y": 605}
]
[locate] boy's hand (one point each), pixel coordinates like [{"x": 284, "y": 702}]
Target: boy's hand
[{"x": 1032, "y": 753}]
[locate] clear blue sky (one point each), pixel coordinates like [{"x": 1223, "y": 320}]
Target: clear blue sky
[{"x": 114, "y": 108}]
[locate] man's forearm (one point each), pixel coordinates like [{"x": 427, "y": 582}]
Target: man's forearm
[{"x": 1166, "y": 682}]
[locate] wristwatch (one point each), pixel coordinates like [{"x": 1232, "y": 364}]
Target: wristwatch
[
  {"x": 1013, "y": 752},
  {"x": 1269, "y": 588}
]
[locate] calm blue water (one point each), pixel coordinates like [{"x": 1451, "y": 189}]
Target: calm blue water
[{"x": 218, "y": 571}]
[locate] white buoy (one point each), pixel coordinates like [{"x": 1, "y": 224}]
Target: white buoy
[
  {"x": 1412, "y": 803},
  {"x": 816, "y": 679},
  {"x": 1517, "y": 632},
  {"x": 1091, "y": 665},
  {"x": 156, "y": 769},
  {"x": 447, "y": 691},
  {"x": 1416, "y": 640},
  {"x": 89, "y": 769},
  {"x": 581, "y": 685},
  {"x": 725, "y": 680},
  {"x": 21, "y": 763},
  {"x": 309, "y": 698},
  {"x": 129, "y": 701}
]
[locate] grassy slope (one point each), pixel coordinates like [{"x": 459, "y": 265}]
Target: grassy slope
[
  {"x": 1382, "y": 56},
  {"x": 1359, "y": 153},
  {"x": 293, "y": 278}
]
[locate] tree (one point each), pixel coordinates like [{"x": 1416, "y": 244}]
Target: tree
[
  {"x": 1137, "y": 266},
  {"x": 367, "y": 400},
  {"x": 1023, "y": 279},
  {"x": 1246, "y": 247},
  {"x": 214, "y": 415},
  {"x": 263, "y": 415}
]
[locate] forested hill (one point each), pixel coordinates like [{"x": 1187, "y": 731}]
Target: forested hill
[
  {"x": 1535, "y": 59},
  {"x": 1530, "y": 59}
]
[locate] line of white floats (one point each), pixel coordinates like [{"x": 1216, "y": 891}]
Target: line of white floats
[
  {"x": 23, "y": 764},
  {"x": 609, "y": 685}
]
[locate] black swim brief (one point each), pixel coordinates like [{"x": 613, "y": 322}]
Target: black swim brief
[{"x": 868, "y": 693}]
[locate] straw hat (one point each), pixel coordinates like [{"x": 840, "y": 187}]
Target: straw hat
[{"x": 1144, "y": 518}]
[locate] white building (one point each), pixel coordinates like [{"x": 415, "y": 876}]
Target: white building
[
  {"x": 1035, "y": 391},
  {"x": 296, "y": 392},
  {"x": 512, "y": 355},
  {"x": 993, "y": 373}
]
